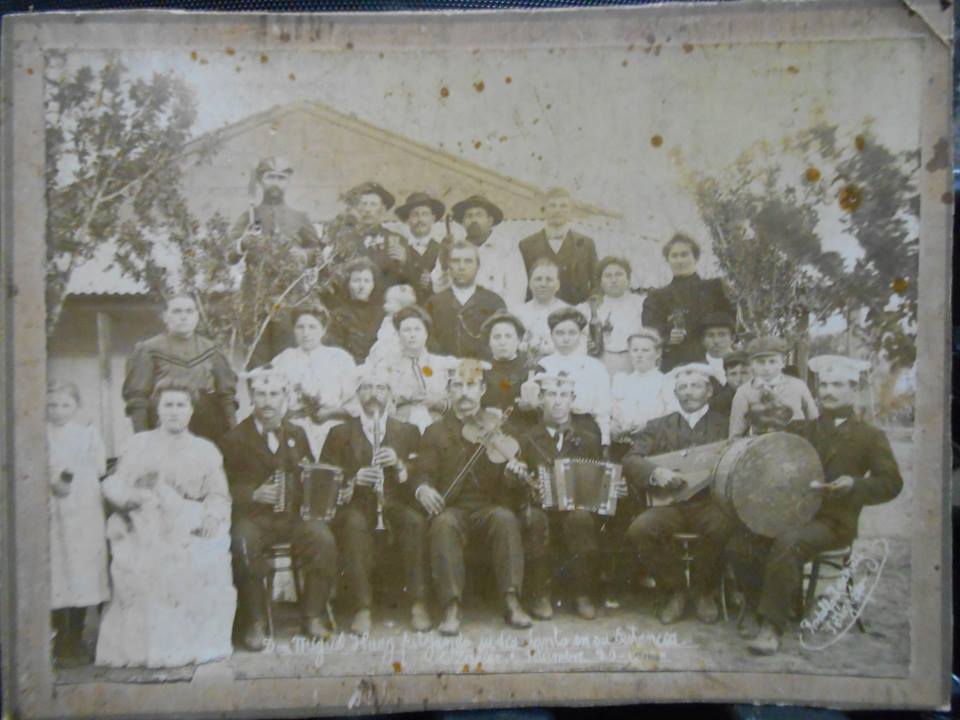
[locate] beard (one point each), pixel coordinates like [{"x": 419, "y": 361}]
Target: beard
[{"x": 373, "y": 407}]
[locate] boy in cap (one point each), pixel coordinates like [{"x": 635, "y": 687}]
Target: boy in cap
[
  {"x": 859, "y": 469},
  {"x": 717, "y": 335},
  {"x": 653, "y": 529},
  {"x": 561, "y": 434},
  {"x": 767, "y": 360},
  {"x": 262, "y": 457},
  {"x": 378, "y": 451},
  {"x": 476, "y": 511},
  {"x": 736, "y": 370}
]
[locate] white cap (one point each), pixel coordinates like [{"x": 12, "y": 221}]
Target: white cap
[
  {"x": 703, "y": 369},
  {"x": 838, "y": 367},
  {"x": 553, "y": 380},
  {"x": 370, "y": 373},
  {"x": 267, "y": 377},
  {"x": 468, "y": 369}
]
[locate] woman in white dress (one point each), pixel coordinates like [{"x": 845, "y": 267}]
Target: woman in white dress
[
  {"x": 544, "y": 284},
  {"x": 78, "y": 543},
  {"x": 173, "y": 597},
  {"x": 641, "y": 395},
  {"x": 320, "y": 377}
]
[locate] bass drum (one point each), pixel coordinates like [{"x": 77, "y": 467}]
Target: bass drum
[{"x": 765, "y": 481}]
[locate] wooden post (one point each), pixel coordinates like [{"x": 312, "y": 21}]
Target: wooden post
[{"x": 106, "y": 381}]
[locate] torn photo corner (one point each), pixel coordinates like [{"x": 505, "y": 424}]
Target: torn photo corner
[{"x": 381, "y": 362}]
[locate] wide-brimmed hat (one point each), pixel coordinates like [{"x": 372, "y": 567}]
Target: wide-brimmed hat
[
  {"x": 460, "y": 209},
  {"x": 416, "y": 200},
  {"x": 370, "y": 188}
]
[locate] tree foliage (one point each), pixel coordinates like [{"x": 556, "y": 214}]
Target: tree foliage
[
  {"x": 113, "y": 163},
  {"x": 771, "y": 212}
]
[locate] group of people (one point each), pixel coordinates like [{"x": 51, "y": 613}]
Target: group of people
[{"x": 398, "y": 370}]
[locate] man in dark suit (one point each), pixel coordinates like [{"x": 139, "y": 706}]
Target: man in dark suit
[
  {"x": 574, "y": 254},
  {"x": 859, "y": 469},
  {"x": 476, "y": 511},
  {"x": 261, "y": 457},
  {"x": 677, "y": 309},
  {"x": 421, "y": 212},
  {"x": 369, "y": 201},
  {"x": 385, "y": 473},
  {"x": 561, "y": 434},
  {"x": 460, "y": 311},
  {"x": 653, "y": 529}
]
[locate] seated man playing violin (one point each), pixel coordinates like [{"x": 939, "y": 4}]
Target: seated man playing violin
[
  {"x": 377, "y": 450},
  {"x": 561, "y": 434},
  {"x": 653, "y": 529},
  {"x": 459, "y": 480}
]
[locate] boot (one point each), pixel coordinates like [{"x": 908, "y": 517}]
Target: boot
[
  {"x": 750, "y": 627},
  {"x": 707, "y": 610},
  {"x": 514, "y": 613},
  {"x": 255, "y": 635},
  {"x": 251, "y": 604},
  {"x": 767, "y": 641},
  {"x": 420, "y": 617},
  {"x": 316, "y": 629},
  {"x": 585, "y": 608},
  {"x": 542, "y": 608},
  {"x": 451, "y": 619},
  {"x": 674, "y": 608},
  {"x": 361, "y": 622}
]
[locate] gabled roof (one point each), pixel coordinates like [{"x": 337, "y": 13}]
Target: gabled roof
[{"x": 420, "y": 150}]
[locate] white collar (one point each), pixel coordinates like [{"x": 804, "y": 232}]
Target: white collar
[
  {"x": 463, "y": 294},
  {"x": 262, "y": 430},
  {"x": 420, "y": 244},
  {"x": 693, "y": 418},
  {"x": 367, "y": 423},
  {"x": 555, "y": 234}
]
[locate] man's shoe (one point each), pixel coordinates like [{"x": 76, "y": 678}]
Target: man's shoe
[
  {"x": 451, "y": 619},
  {"x": 315, "y": 629},
  {"x": 255, "y": 637},
  {"x": 767, "y": 642},
  {"x": 750, "y": 627},
  {"x": 514, "y": 613},
  {"x": 420, "y": 617},
  {"x": 674, "y": 608},
  {"x": 541, "y": 608},
  {"x": 707, "y": 610},
  {"x": 361, "y": 622},
  {"x": 585, "y": 608}
]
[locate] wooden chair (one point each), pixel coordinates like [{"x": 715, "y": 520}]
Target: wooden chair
[
  {"x": 828, "y": 565},
  {"x": 280, "y": 557},
  {"x": 686, "y": 542}
]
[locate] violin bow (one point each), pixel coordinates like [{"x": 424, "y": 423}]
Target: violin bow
[{"x": 454, "y": 486}]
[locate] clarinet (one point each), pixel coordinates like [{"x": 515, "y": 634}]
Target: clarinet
[{"x": 379, "y": 489}]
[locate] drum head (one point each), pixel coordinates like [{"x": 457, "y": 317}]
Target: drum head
[{"x": 768, "y": 484}]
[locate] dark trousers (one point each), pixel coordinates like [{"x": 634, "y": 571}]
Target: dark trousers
[
  {"x": 770, "y": 571},
  {"x": 578, "y": 548},
  {"x": 652, "y": 534},
  {"x": 493, "y": 527},
  {"x": 355, "y": 527},
  {"x": 313, "y": 550}
]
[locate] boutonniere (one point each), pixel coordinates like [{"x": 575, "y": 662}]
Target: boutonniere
[
  {"x": 575, "y": 441},
  {"x": 373, "y": 241},
  {"x": 291, "y": 443}
]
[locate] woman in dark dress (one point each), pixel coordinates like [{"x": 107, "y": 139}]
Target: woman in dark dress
[
  {"x": 354, "y": 325},
  {"x": 677, "y": 309}
]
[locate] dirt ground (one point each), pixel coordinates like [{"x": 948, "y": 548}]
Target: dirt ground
[{"x": 626, "y": 639}]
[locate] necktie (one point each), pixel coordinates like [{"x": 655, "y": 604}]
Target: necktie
[
  {"x": 273, "y": 442},
  {"x": 418, "y": 374}
]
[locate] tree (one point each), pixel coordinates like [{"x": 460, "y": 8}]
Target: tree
[
  {"x": 113, "y": 163},
  {"x": 768, "y": 212}
]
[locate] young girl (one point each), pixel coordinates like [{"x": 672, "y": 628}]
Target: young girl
[
  {"x": 638, "y": 396},
  {"x": 78, "y": 544},
  {"x": 355, "y": 323},
  {"x": 617, "y": 310},
  {"x": 388, "y": 342}
]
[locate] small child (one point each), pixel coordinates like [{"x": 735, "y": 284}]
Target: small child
[
  {"x": 78, "y": 540},
  {"x": 767, "y": 360},
  {"x": 355, "y": 324},
  {"x": 638, "y": 396},
  {"x": 396, "y": 299},
  {"x": 717, "y": 335}
]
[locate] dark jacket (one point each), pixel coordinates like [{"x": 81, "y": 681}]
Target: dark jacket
[
  {"x": 354, "y": 326},
  {"x": 278, "y": 224},
  {"x": 577, "y": 260},
  {"x": 419, "y": 264},
  {"x": 443, "y": 452},
  {"x": 684, "y": 303},
  {"x": 347, "y": 446},
  {"x": 373, "y": 245},
  {"x": 667, "y": 434},
  {"x": 249, "y": 463},
  {"x": 456, "y": 327},
  {"x": 198, "y": 363},
  {"x": 857, "y": 449}
]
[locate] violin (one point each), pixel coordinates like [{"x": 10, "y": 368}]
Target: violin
[{"x": 486, "y": 430}]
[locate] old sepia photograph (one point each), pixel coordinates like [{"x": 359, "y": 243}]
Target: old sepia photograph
[{"x": 475, "y": 350}]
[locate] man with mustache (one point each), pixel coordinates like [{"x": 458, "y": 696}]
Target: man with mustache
[
  {"x": 421, "y": 213},
  {"x": 859, "y": 468},
  {"x": 377, "y": 450},
  {"x": 477, "y": 512},
  {"x": 653, "y": 529},
  {"x": 501, "y": 264},
  {"x": 262, "y": 457},
  {"x": 276, "y": 244}
]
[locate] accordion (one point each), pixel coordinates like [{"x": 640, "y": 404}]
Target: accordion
[
  {"x": 321, "y": 490},
  {"x": 580, "y": 484}
]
